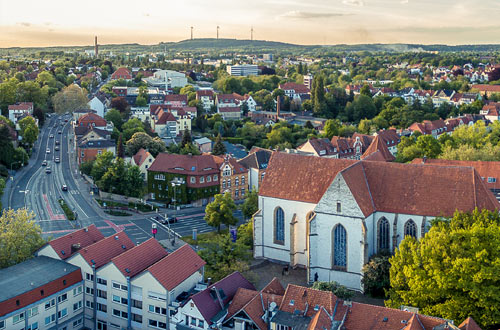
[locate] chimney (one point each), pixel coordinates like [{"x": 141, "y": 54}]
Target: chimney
[
  {"x": 75, "y": 247},
  {"x": 278, "y": 106},
  {"x": 96, "y": 47},
  {"x": 424, "y": 159}
]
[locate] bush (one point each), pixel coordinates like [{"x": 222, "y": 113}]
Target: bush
[
  {"x": 339, "y": 290},
  {"x": 67, "y": 210},
  {"x": 118, "y": 213},
  {"x": 376, "y": 275}
]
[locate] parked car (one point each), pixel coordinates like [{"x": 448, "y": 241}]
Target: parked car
[
  {"x": 57, "y": 160},
  {"x": 48, "y": 170},
  {"x": 44, "y": 163},
  {"x": 64, "y": 187}
]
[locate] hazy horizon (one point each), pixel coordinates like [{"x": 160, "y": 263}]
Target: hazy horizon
[{"x": 319, "y": 22}]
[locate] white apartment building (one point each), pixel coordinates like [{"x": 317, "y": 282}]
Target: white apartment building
[
  {"x": 243, "y": 70},
  {"x": 41, "y": 293}
]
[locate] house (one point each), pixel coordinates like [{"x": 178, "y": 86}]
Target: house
[
  {"x": 442, "y": 96},
  {"x": 256, "y": 163},
  {"x": 121, "y": 73},
  {"x": 195, "y": 178},
  {"x": 237, "y": 151},
  {"x": 491, "y": 111},
  {"x": 204, "y": 144},
  {"x": 233, "y": 177},
  {"x": 294, "y": 90},
  {"x": 320, "y": 226},
  {"x": 41, "y": 293},
  {"x": 81, "y": 112},
  {"x": 486, "y": 90},
  {"x": 228, "y": 100},
  {"x": 378, "y": 151},
  {"x": 176, "y": 100},
  {"x": 165, "y": 125},
  {"x": 243, "y": 70},
  {"x": 88, "y": 149},
  {"x": 320, "y": 147},
  {"x": 97, "y": 105},
  {"x": 19, "y": 110},
  {"x": 92, "y": 120},
  {"x": 230, "y": 113},
  {"x": 143, "y": 159},
  {"x": 352, "y": 147},
  {"x": 206, "y": 98},
  {"x": 207, "y": 309},
  {"x": 427, "y": 127},
  {"x": 390, "y": 138}
]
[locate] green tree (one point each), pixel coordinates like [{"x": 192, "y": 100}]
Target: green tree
[
  {"x": 20, "y": 236},
  {"x": 101, "y": 165},
  {"x": 219, "y": 147},
  {"x": 332, "y": 127},
  {"x": 429, "y": 146},
  {"x": 186, "y": 138},
  {"x": 69, "y": 99},
  {"x": 2, "y": 187},
  {"x": 451, "y": 272},
  {"x": 376, "y": 277},
  {"x": 28, "y": 130},
  {"x": 251, "y": 204},
  {"x": 131, "y": 127},
  {"x": 141, "y": 101},
  {"x": 115, "y": 117},
  {"x": 120, "y": 152},
  {"x": 134, "y": 181},
  {"x": 220, "y": 211},
  {"x": 339, "y": 290}
]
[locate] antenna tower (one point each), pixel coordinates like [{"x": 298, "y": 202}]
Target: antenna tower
[
  {"x": 218, "y": 32},
  {"x": 191, "y": 33}
]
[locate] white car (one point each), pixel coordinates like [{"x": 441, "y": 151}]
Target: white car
[{"x": 48, "y": 151}]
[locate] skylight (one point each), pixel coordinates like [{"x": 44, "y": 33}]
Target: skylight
[
  {"x": 193, "y": 168},
  {"x": 292, "y": 302}
]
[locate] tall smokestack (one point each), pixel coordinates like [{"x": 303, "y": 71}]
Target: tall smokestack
[
  {"x": 278, "y": 105},
  {"x": 96, "y": 47}
]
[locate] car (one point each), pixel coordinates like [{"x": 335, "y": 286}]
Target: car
[
  {"x": 48, "y": 151},
  {"x": 66, "y": 120},
  {"x": 57, "y": 142},
  {"x": 59, "y": 132},
  {"x": 168, "y": 220},
  {"x": 44, "y": 163},
  {"x": 48, "y": 170},
  {"x": 57, "y": 160},
  {"x": 51, "y": 136},
  {"x": 64, "y": 187},
  {"x": 56, "y": 148}
]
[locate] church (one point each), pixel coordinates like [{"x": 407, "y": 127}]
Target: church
[{"x": 330, "y": 215}]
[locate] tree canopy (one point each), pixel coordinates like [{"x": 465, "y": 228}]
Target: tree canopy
[{"x": 220, "y": 211}]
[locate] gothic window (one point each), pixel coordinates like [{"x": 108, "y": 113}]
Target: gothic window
[
  {"x": 279, "y": 226},
  {"x": 339, "y": 247},
  {"x": 383, "y": 234},
  {"x": 411, "y": 228}
]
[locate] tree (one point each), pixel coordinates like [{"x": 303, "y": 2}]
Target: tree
[
  {"x": 223, "y": 257},
  {"x": 362, "y": 107},
  {"x": 141, "y": 101},
  {"x": 251, "y": 204},
  {"x": 186, "y": 138},
  {"x": 339, "y": 290},
  {"x": 119, "y": 103},
  {"x": 376, "y": 275},
  {"x": 115, "y": 117},
  {"x": 120, "y": 152},
  {"x": 451, "y": 272},
  {"x": 101, "y": 165},
  {"x": 332, "y": 128},
  {"x": 20, "y": 236},
  {"x": 131, "y": 127},
  {"x": 69, "y": 99},
  {"x": 220, "y": 211},
  {"x": 219, "y": 147},
  {"x": 134, "y": 181},
  {"x": 28, "y": 130}
]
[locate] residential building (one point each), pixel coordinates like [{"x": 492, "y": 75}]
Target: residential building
[
  {"x": 256, "y": 163},
  {"x": 98, "y": 106},
  {"x": 204, "y": 144},
  {"x": 164, "y": 124},
  {"x": 92, "y": 120},
  {"x": 372, "y": 202},
  {"x": 243, "y": 70},
  {"x": 237, "y": 151},
  {"x": 491, "y": 111},
  {"x": 233, "y": 177},
  {"x": 353, "y": 147},
  {"x": 390, "y": 138},
  {"x": 442, "y": 96},
  {"x": 486, "y": 90},
  {"x": 320, "y": 147},
  {"x": 308, "y": 79},
  {"x": 121, "y": 73},
  {"x": 41, "y": 293},
  {"x": 143, "y": 159},
  {"x": 427, "y": 127},
  {"x": 183, "y": 179},
  {"x": 19, "y": 110},
  {"x": 207, "y": 309},
  {"x": 81, "y": 112},
  {"x": 206, "y": 97},
  {"x": 230, "y": 113},
  {"x": 176, "y": 100},
  {"x": 294, "y": 90},
  {"x": 378, "y": 151}
]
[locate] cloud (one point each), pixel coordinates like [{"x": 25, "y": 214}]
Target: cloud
[
  {"x": 359, "y": 3},
  {"x": 305, "y": 15},
  {"x": 24, "y": 24}
]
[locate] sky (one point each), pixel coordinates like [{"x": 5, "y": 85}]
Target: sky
[{"x": 26, "y": 23}]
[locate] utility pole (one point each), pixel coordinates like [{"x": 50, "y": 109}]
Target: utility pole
[
  {"x": 251, "y": 34},
  {"x": 218, "y": 32},
  {"x": 191, "y": 33}
]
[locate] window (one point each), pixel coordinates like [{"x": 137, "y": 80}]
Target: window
[
  {"x": 50, "y": 304},
  {"x": 77, "y": 306},
  {"x": 77, "y": 323},
  {"x": 62, "y": 313},
  {"x": 279, "y": 226},
  {"x": 62, "y": 298},
  {"x": 202, "y": 179},
  {"x": 193, "y": 179},
  {"x": 33, "y": 311},
  {"x": 242, "y": 192},
  {"x": 119, "y": 313},
  {"x": 77, "y": 291},
  {"x": 102, "y": 294},
  {"x": 262, "y": 176},
  {"x": 119, "y": 286},
  {"x": 383, "y": 234},
  {"x": 89, "y": 291},
  {"x": 228, "y": 183},
  {"x": 236, "y": 193},
  {"x": 339, "y": 247},
  {"x": 160, "y": 177},
  {"x": 2, "y": 324},
  {"x": 136, "y": 304},
  {"x": 242, "y": 180},
  {"x": 223, "y": 184},
  {"x": 33, "y": 326},
  {"x": 101, "y": 307},
  {"x": 82, "y": 154},
  {"x": 339, "y": 207},
  {"x": 282, "y": 327},
  {"x": 18, "y": 318},
  {"x": 157, "y": 324},
  {"x": 157, "y": 296},
  {"x": 209, "y": 178},
  {"x": 137, "y": 318},
  {"x": 89, "y": 304},
  {"x": 99, "y": 152},
  {"x": 193, "y": 321},
  {"x": 49, "y": 319},
  {"x": 124, "y": 301},
  {"x": 411, "y": 228},
  {"x": 492, "y": 180},
  {"x": 89, "y": 277},
  {"x": 215, "y": 177},
  {"x": 236, "y": 181},
  {"x": 102, "y": 281},
  {"x": 201, "y": 324}
]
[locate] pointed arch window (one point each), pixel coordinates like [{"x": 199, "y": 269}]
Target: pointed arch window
[
  {"x": 411, "y": 228},
  {"x": 339, "y": 247},
  {"x": 383, "y": 234},
  {"x": 279, "y": 226}
]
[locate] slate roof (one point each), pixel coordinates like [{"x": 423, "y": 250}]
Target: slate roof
[
  {"x": 22, "y": 284},
  {"x": 83, "y": 237},
  {"x": 208, "y": 306},
  {"x": 101, "y": 252},
  {"x": 96, "y": 144},
  {"x": 176, "y": 267},
  {"x": 257, "y": 159},
  {"x": 236, "y": 151},
  {"x": 140, "y": 257},
  {"x": 300, "y": 178}
]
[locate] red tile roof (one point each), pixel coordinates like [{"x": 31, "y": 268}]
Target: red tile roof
[
  {"x": 485, "y": 169},
  {"x": 184, "y": 164},
  {"x": 241, "y": 298},
  {"x": 106, "y": 249},
  {"x": 139, "y": 257},
  {"x": 141, "y": 156},
  {"x": 274, "y": 287},
  {"x": 229, "y": 109},
  {"x": 176, "y": 267},
  {"x": 378, "y": 150},
  {"x": 176, "y": 98},
  {"x": 300, "y": 178},
  {"x": 221, "y": 161},
  {"x": 320, "y": 321},
  {"x": 91, "y": 118},
  {"x": 204, "y": 92},
  {"x": 469, "y": 324},
  {"x": 307, "y": 298},
  {"x": 121, "y": 73},
  {"x": 165, "y": 117},
  {"x": 487, "y": 88},
  {"x": 83, "y": 237},
  {"x": 298, "y": 88},
  {"x": 26, "y": 106}
]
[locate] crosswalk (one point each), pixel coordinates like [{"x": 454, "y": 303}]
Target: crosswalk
[{"x": 185, "y": 225}]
